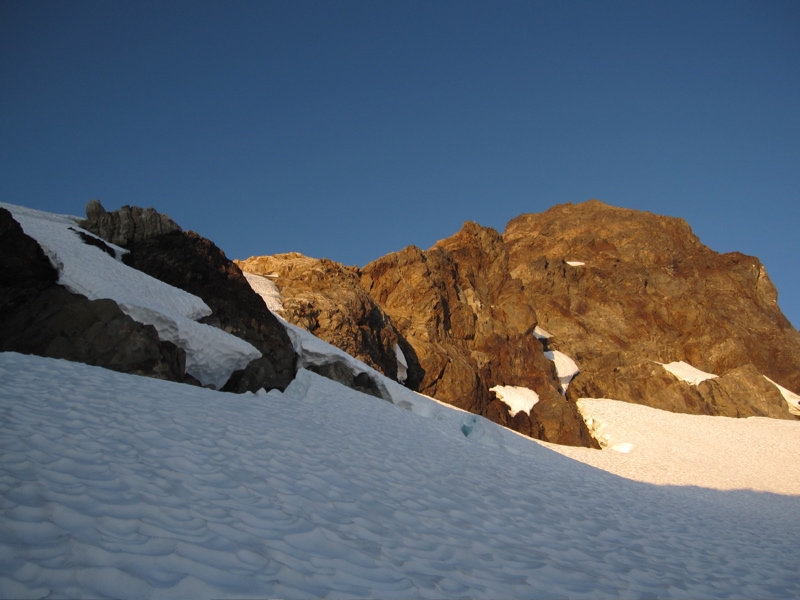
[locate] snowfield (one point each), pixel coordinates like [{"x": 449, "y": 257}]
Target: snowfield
[
  {"x": 128, "y": 487},
  {"x": 117, "y": 486}
]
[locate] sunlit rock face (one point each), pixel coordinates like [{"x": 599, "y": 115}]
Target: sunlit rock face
[
  {"x": 649, "y": 290},
  {"x": 326, "y": 298},
  {"x": 471, "y": 328}
]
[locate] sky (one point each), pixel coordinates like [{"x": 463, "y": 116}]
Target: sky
[{"x": 351, "y": 129}]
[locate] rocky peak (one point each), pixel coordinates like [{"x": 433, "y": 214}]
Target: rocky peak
[
  {"x": 620, "y": 288},
  {"x": 128, "y": 225},
  {"x": 605, "y": 233}
]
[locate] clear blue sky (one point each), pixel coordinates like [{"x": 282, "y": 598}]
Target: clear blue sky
[{"x": 348, "y": 130}]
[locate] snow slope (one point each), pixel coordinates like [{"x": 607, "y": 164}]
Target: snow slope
[
  {"x": 211, "y": 354},
  {"x": 121, "y": 486},
  {"x": 266, "y": 288}
]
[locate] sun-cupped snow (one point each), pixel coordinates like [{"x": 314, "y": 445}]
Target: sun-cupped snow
[
  {"x": 518, "y": 399},
  {"x": 566, "y": 368},
  {"x": 575, "y": 263},
  {"x": 686, "y": 372},
  {"x": 267, "y": 289},
  {"x": 665, "y": 448},
  {"x": 120, "y": 486},
  {"x": 792, "y": 399},
  {"x": 211, "y": 354}
]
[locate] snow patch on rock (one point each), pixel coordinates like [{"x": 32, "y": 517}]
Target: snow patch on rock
[
  {"x": 212, "y": 354},
  {"x": 686, "y": 372},
  {"x": 566, "y": 368},
  {"x": 792, "y": 399},
  {"x": 84, "y": 269},
  {"x": 402, "y": 364},
  {"x": 518, "y": 399},
  {"x": 266, "y": 288}
]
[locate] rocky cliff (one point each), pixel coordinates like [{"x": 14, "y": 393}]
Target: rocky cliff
[
  {"x": 471, "y": 328},
  {"x": 622, "y": 292},
  {"x": 460, "y": 319}
]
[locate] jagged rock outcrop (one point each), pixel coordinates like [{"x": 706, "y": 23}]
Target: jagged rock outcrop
[
  {"x": 619, "y": 290},
  {"x": 128, "y": 225},
  {"x": 471, "y": 328},
  {"x": 642, "y": 288},
  {"x": 326, "y": 298},
  {"x": 192, "y": 263},
  {"x": 39, "y": 316}
]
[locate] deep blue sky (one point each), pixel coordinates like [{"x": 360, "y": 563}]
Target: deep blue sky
[{"x": 348, "y": 130}]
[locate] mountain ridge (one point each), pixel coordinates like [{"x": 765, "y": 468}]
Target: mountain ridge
[
  {"x": 620, "y": 291},
  {"x": 583, "y": 300}
]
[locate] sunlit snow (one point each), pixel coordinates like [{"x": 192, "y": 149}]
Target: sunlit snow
[
  {"x": 402, "y": 364},
  {"x": 266, "y": 288},
  {"x": 541, "y": 334},
  {"x": 792, "y": 399},
  {"x": 566, "y": 368},
  {"x": 575, "y": 263},
  {"x": 667, "y": 448},
  {"x": 686, "y": 372},
  {"x": 518, "y": 399}
]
